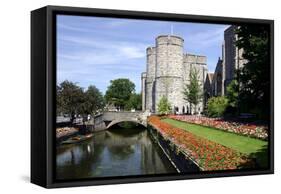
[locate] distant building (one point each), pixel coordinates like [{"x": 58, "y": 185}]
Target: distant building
[
  {"x": 208, "y": 87},
  {"x": 226, "y": 67},
  {"x": 168, "y": 71},
  {"x": 218, "y": 79}
]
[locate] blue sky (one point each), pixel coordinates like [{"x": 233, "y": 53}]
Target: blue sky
[{"x": 94, "y": 50}]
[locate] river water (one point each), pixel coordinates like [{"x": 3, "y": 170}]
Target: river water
[{"x": 114, "y": 152}]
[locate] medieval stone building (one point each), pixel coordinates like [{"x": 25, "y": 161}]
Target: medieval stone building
[
  {"x": 226, "y": 67},
  {"x": 168, "y": 71}
]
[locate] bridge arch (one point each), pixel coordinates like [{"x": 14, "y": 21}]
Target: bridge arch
[
  {"x": 108, "y": 119},
  {"x": 114, "y": 122}
]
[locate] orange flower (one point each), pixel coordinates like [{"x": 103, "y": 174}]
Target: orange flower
[{"x": 209, "y": 155}]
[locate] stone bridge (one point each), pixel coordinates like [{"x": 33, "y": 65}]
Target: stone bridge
[{"x": 108, "y": 119}]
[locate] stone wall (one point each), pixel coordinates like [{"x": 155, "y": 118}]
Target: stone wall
[
  {"x": 143, "y": 90},
  {"x": 230, "y": 53},
  {"x": 231, "y": 57},
  {"x": 107, "y": 119},
  {"x": 167, "y": 73},
  {"x": 198, "y": 63},
  {"x": 179, "y": 159},
  {"x": 218, "y": 82},
  {"x": 150, "y": 78}
]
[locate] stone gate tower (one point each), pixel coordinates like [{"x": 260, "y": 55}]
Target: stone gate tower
[
  {"x": 150, "y": 78},
  {"x": 167, "y": 73}
]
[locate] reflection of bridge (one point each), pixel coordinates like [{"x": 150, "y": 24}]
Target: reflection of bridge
[{"x": 108, "y": 119}]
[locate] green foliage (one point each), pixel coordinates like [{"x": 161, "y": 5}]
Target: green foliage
[
  {"x": 164, "y": 107},
  {"x": 59, "y": 99},
  {"x": 119, "y": 92},
  {"x": 232, "y": 93},
  {"x": 93, "y": 101},
  {"x": 254, "y": 76},
  {"x": 192, "y": 91},
  {"x": 216, "y": 106},
  {"x": 134, "y": 102},
  {"x": 71, "y": 99}
]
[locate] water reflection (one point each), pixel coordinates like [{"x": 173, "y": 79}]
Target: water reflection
[{"x": 116, "y": 152}]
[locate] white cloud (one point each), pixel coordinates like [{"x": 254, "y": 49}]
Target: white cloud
[
  {"x": 102, "y": 51},
  {"x": 91, "y": 24},
  {"x": 206, "y": 39},
  {"x": 94, "y": 52}
]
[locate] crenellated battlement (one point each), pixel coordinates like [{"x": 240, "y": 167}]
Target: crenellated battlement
[
  {"x": 167, "y": 73},
  {"x": 198, "y": 59}
]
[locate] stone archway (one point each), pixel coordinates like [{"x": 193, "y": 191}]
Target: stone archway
[
  {"x": 114, "y": 122},
  {"x": 107, "y": 119}
]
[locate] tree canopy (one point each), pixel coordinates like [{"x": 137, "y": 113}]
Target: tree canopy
[
  {"x": 93, "y": 100},
  {"x": 216, "y": 106},
  {"x": 119, "y": 92},
  {"x": 254, "y": 76},
  {"x": 69, "y": 98},
  {"x": 135, "y": 102},
  {"x": 192, "y": 91},
  {"x": 232, "y": 93},
  {"x": 72, "y": 99},
  {"x": 164, "y": 107}
]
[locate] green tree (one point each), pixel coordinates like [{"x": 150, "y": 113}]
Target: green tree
[
  {"x": 254, "y": 76},
  {"x": 192, "y": 91},
  {"x": 135, "y": 102},
  {"x": 216, "y": 106},
  {"x": 164, "y": 107},
  {"x": 232, "y": 93},
  {"x": 119, "y": 92},
  {"x": 59, "y": 100},
  {"x": 70, "y": 98},
  {"x": 93, "y": 100}
]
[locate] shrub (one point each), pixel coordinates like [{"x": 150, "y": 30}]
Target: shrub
[
  {"x": 216, "y": 106},
  {"x": 164, "y": 107}
]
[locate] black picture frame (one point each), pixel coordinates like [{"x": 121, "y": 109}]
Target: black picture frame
[{"x": 43, "y": 83}]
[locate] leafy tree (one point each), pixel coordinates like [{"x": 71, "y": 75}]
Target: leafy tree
[
  {"x": 70, "y": 98},
  {"x": 119, "y": 92},
  {"x": 164, "y": 107},
  {"x": 232, "y": 93},
  {"x": 93, "y": 100},
  {"x": 135, "y": 102},
  {"x": 192, "y": 91},
  {"x": 216, "y": 106},
  {"x": 253, "y": 77},
  {"x": 59, "y": 103}
]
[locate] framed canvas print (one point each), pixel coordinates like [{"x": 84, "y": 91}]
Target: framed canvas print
[{"x": 126, "y": 96}]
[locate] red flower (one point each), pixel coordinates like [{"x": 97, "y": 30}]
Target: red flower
[
  {"x": 209, "y": 155},
  {"x": 258, "y": 131}
]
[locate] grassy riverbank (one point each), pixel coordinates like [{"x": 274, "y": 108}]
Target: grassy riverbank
[{"x": 255, "y": 148}]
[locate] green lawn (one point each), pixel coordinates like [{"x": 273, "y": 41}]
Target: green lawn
[{"x": 250, "y": 146}]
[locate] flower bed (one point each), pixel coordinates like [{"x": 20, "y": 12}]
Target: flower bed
[
  {"x": 65, "y": 131},
  {"x": 248, "y": 129},
  {"x": 207, "y": 154}
]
